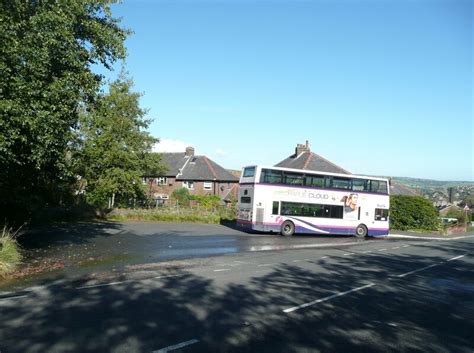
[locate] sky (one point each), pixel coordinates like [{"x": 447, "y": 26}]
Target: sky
[{"x": 377, "y": 87}]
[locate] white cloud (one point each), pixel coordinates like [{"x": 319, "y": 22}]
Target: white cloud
[
  {"x": 170, "y": 145},
  {"x": 220, "y": 152}
]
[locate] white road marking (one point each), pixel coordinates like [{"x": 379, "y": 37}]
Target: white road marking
[
  {"x": 297, "y": 260},
  {"x": 367, "y": 252},
  {"x": 176, "y": 346},
  {"x": 455, "y": 258},
  {"x": 222, "y": 269},
  {"x": 396, "y": 247},
  {"x": 243, "y": 262},
  {"x": 14, "y": 297},
  {"x": 166, "y": 276},
  {"x": 382, "y": 249},
  {"x": 415, "y": 271},
  {"x": 429, "y": 238},
  {"x": 347, "y": 254},
  {"x": 103, "y": 284},
  {"x": 427, "y": 267},
  {"x": 324, "y": 257},
  {"x": 262, "y": 265},
  {"x": 406, "y": 246},
  {"x": 120, "y": 282},
  {"x": 298, "y": 246},
  {"x": 305, "y": 305}
]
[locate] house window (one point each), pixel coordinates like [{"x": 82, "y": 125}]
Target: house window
[
  {"x": 188, "y": 185},
  {"x": 207, "y": 185},
  {"x": 161, "y": 181}
]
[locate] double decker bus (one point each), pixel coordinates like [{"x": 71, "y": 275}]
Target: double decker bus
[{"x": 289, "y": 201}]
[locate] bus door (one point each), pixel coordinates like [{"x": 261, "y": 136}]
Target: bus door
[{"x": 260, "y": 215}]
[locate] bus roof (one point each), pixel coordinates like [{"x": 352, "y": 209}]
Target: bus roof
[{"x": 318, "y": 172}]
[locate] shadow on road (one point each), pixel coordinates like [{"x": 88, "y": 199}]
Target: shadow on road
[
  {"x": 68, "y": 233},
  {"x": 412, "y": 314}
]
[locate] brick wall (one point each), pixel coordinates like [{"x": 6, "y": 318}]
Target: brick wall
[{"x": 217, "y": 188}]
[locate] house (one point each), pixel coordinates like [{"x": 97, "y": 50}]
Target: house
[
  {"x": 443, "y": 211},
  {"x": 304, "y": 159},
  {"x": 199, "y": 174}
]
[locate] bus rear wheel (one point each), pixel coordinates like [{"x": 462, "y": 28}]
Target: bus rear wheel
[
  {"x": 287, "y": 229},
  {"x": 361, "y": 231}
]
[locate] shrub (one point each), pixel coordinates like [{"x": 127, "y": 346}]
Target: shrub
[
  {"x": 412, "y": 213},
  {"x": 173, "y": 215},
  {"x": 182, "y": 196},
  {"x": 207, "y": 201},
  {"x": 459, "y": 215},
  {"x": 10, "y": 255}
]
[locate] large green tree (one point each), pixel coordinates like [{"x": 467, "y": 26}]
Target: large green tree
[
  {"x": 47, "y": 52},
  {"x": 114, "y": 148}
]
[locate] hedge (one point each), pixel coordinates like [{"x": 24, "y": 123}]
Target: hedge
[{"x": 413, "y": 213}]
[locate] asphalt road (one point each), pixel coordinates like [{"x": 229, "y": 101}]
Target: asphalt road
[
  {"x": 375, "y": 296},
  {"x": 86, "y": 248}
]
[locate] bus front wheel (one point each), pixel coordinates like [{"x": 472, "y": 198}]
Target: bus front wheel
[
  {"x": 287, "y": 229},
  {"x": 361, "y": 231}
]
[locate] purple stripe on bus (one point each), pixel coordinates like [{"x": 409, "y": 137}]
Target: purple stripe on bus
[{"x": 332, "y": 229}]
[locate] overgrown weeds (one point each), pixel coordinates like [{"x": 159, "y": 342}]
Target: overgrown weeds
[
  {"x": 193, "y": 215},
  {"x": 10, "y": 255}
]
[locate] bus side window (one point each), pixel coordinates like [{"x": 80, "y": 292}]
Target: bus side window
[
  {"x": 378, "y": 186},
  {"x": 327, "y": 181},
  {"x": 360, "y": 185},
  {"x": 315, "y": 181},
  {"x": 271, "y": 176}
]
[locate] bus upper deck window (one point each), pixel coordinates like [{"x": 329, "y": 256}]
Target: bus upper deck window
[
  {"x": 271, "y": 176},
  {"x": 378, "y": 186},
  {"x": 359, "y": 185}
]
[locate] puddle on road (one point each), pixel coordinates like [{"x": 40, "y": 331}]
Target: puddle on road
[
  {"x": 104, "y": 260},
  {"x": 172, "y": 253}
]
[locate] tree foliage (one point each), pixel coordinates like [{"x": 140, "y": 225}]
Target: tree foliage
[
  {"x": 47, "y": 50},
  {"x": 207, "y": 201},
  {"x": 461, "y": 215},
  {"x": 182, "y": 196},
  {"x": 113, "y": 151},
  {"x": 412, "y": 213}
]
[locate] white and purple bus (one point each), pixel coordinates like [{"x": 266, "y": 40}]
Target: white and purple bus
[{"x": 289, "y": 201}]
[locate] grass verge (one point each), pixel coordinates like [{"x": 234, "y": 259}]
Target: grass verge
[
  {"x": 193, "y": 215},
  {"x": 10, "y": 255}
]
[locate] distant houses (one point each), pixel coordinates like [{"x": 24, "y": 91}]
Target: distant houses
[
  {"x": 202, "y": 176},
  {"x": 198, "y": 174}
]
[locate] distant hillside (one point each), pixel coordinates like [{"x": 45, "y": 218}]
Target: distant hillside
[
  {"x": 437, "y": 191},
  {"x": 429, "y": 184}
]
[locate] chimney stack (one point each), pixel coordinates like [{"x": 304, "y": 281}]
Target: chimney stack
[
  {"x": 189, "y": 151},
  {"x": 300, "y": 148}
]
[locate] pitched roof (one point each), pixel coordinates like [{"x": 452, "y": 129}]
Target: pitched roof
[
  {"x": 173, "y": 163},
  {"x": 310, "y": 161},
  {"x": 202, "y": 168},
  {"x": 399, "y": 189},
  {"x": 185, "y": 167}
]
